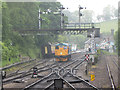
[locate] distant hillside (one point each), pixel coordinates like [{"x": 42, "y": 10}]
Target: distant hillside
[{"x": 106, "y": 26}]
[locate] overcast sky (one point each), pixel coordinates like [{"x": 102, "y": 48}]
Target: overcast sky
[{"x": 95, "y": 5}]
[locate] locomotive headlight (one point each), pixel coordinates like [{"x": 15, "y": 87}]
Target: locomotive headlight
[{"x": 61, "y": 53}]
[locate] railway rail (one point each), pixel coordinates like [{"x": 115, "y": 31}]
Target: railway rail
[
  {"x": 15, "y": 64},
  {"x": 53, "y": 71},
  {"x": 24, "y": 73},
  {"x": 49, "y": 79},
  {"x": 115, "y": 61},
  {"x": 60, "y": 64},
  {"x": 69, "y": 83},
  {"x": 111, "y": 78},
  {"x": 18, "y": 71},
  {"x": 16, "y": 75},
  {"x": 112, "y": 71}
]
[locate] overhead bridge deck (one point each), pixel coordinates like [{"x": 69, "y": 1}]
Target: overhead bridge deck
[{"x": 69, "y": 28}]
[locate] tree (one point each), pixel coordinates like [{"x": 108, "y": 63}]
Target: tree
[
  {"x": 24, "y": 15},
  {"x": 73, "y": 17},
  {"x": 109, "y": 13},
  {"x": 100, "y": 17},
  {"x": 87, "y": 16},
  {"x": 116, "y": 13}
]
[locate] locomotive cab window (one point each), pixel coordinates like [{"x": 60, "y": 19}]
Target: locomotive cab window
[
  {"x": 65, "y": 47},
  {"x": 56, "y": 47},
  {"x": 61, "y": 46}
]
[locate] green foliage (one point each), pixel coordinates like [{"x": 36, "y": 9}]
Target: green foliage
[
  {"x": 118, "y": 37},
  {"x": 9, "y": 53},
  {"x": 97, "y": 56},
  {"x": 87, "y": 16},
  {"x": 24, "y": 15},
  {"x": 109, "y": 13},
  {"x": 108, "y": 53},
  {"x": 73, "y": 39},
  {"x": 98, "y": 51},
  {"x": 77, "y": 39},
  {"x": 106, "y": 26},
  {"x": 50, "y": 20},
  {"x": 73, "y": 17},
  {"x": 62, "y": 38}
]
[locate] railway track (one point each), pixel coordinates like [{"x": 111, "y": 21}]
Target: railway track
[
  {"x": 111, "y": 78},
  {"x": 115, "y": 61},
  {"x": 60, "y": 64},
  {"x": 48, "y": 81},
  {"x": 24, "y": 73},
  {"x": 20, "y": 71},
  {"x": 19, "y": 63},
  {"x": 48, "y": 72},
  {"x": 38, "y": 64},
  {"x": 70, "y": 79},
  {"x": 112, "y": 69},
  {"x": 45, "y": 63}
]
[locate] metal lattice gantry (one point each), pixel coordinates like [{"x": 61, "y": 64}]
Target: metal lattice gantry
[
  {"x": 65, "y": 28},
  {"x": 69, "y": 28}
]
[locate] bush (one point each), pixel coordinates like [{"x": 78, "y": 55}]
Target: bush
[
  {"x": 9, "y": 53},
  {"x": 96, "y": 57}
]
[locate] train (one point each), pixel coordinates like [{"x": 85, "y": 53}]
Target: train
[
  {"x": 62, "y": 52},
  {"x": 48, "y": 50},
  {"x": 59, "y": 51}
]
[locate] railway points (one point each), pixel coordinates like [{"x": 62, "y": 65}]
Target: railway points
[{"x": 64, "y": 63}]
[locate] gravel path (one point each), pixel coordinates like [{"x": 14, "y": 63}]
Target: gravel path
[{"x": 101, "y": 74}]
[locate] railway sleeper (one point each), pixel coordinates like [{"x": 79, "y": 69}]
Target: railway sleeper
[
  {"x": 72, "y": 82},
  {"x": 19, "y": 81}
]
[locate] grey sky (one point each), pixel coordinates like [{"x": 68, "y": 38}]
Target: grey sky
[{"x": 95, "y": 5}]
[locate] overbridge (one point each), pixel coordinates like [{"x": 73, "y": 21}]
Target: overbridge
[{"x": 69, "y": 28}]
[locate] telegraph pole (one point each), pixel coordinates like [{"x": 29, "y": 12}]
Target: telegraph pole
[
  {"x": 93, "y": 42},
  {"x": 39, "y": 19},
  {"x": 39, "y": 16},
  {"x": 49, "y": 11},
  {"x": 80, "y": 14},
  {"x": 62, "y": 15},
  {"x": 61, "y": 18},
  {"x": 79, "y": 19}
]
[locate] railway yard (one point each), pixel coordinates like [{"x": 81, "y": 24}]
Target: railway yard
[
  {"x": 72, "y": 73},
  {"x": 47, "y": 47}
]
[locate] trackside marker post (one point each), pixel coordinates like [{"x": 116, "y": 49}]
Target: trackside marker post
[
  {"x": 92, "y": 76},
  {"x": 87, "y": 57}
]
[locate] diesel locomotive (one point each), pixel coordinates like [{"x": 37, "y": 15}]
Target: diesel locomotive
[{"x": 62, "y": 52}]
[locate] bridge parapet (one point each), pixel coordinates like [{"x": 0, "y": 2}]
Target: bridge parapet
[{"x": 81, "y": 25}]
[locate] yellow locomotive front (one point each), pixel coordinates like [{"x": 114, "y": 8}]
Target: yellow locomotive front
[{"x": 62, "y": 52}]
